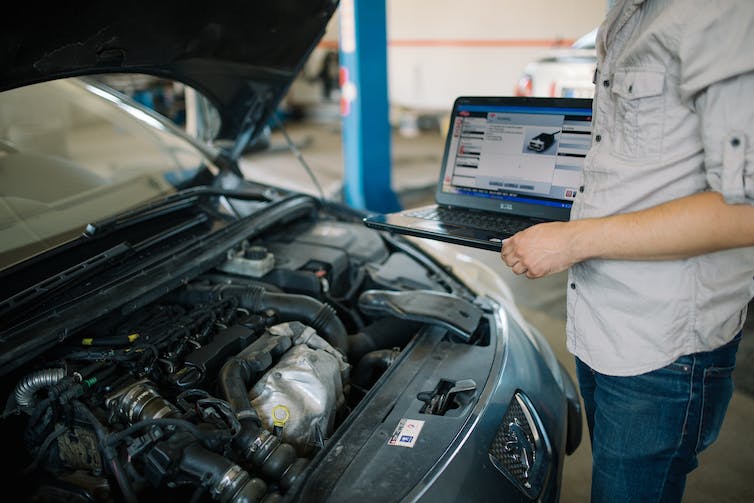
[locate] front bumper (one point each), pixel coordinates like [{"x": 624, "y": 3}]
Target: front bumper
[{"x": 389, "y": 450}]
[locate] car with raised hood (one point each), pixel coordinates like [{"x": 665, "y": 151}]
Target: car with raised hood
[{"x": 171, "y": 331}]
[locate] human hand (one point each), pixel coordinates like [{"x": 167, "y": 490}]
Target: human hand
[{"x": 540, "y": 250}]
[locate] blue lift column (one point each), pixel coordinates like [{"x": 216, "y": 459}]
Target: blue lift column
[{"x": 364, "y": 106}]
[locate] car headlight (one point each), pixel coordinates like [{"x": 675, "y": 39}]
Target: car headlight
[{"x": 521, "y": 450}]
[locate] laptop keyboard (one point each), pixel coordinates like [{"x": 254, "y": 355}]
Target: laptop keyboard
[{"x": 502, "y": 224}]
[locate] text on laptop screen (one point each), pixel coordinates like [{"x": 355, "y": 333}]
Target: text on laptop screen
[{"x": 525, "y": 154}]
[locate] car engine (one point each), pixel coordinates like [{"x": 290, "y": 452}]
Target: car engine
[{"x": 226, "y": 387}]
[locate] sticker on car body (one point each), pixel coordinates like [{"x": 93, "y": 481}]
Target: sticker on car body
[{"x": 406, "y": 433}]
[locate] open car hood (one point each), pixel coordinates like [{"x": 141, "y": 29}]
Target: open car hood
[{"x": 242, "y": 56}]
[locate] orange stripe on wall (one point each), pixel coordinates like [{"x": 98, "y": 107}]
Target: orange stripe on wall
[
  {"x": 329, "y": 44},
  {"x": 480, "y": 43},
  {"x": 333, "y": 44}
]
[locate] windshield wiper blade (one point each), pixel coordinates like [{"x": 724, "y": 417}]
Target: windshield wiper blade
[{"x": 169, "y": 204}]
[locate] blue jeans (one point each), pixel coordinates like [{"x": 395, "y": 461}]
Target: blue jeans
[{"x": 647, "y": 430}]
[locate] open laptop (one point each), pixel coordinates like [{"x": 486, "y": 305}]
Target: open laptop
[{"x": 509, "y": 162}]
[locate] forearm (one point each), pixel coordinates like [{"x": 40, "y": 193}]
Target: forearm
[{"x": 693, "y": 225}]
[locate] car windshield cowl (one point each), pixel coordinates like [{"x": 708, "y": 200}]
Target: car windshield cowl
[
  {"x": 131, "y": 232},
  {"x": 85, "y": 257},
  {"x": 101, "y": 281}
]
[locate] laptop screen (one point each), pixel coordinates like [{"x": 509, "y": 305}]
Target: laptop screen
[{"x": 516, "y": 155}]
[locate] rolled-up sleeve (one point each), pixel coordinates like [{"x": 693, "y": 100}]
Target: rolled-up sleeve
[{"x": 727, "y": 120}]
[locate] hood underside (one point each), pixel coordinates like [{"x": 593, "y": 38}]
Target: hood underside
[{"x": 242, "y": 56}]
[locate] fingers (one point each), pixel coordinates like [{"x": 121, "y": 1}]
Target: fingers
[
  {"x": 519, "y": 269},
  {"x": 510, "y": 257},
  {"x": 507, "y": 252},
  {"x": 515, "y": 257},
  {"x": 535, "y": 252}
]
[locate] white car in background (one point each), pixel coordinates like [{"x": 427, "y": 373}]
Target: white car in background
[{"x": 563, "y": 72}]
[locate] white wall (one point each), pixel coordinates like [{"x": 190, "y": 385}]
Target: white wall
[{"x": 441, "y": 49}]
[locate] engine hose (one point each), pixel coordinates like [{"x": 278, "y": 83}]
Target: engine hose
[
  {"x": 244, "y": 368},
  {"x": 384, "y": 333},
  {"x": 34, "y": 382},
  {"x": 290, "y": 307},
  {"x": 277, "y": 460},
  {"x": 370, "y": 364},
  {"x": 273, "y": 498},
  {"x": 226, "y": 481},
  {"x": 232, "y": 379}
]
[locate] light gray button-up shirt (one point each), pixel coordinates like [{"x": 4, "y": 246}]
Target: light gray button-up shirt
[{"x": 673, "y": 116}]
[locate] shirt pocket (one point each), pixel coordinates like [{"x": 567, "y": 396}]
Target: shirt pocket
[{"x": 639, "y": 113}]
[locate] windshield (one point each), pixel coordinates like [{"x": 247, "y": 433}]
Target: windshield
[{"x": 71, "y": 153}]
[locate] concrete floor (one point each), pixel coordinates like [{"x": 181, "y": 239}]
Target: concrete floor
[{"x": 726, "y": 472}]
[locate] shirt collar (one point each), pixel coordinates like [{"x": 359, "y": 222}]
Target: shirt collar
[{"x": 616, "y": 17}]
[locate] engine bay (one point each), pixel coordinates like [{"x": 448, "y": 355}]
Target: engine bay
[{"x": 227, "y": 387}]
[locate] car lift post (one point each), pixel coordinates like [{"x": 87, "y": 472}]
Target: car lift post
[{"x": 364, "y": 106}]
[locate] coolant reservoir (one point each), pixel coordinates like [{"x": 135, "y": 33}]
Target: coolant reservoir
[{"x": 252, "y": 261}]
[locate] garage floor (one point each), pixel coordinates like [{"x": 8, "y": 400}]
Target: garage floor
[{"x": 725, "y": 474}]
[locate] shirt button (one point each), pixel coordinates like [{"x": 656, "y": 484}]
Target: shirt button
[
  {"x": 581, "y": 188},
  {"x": 573, "y": 286},
  {"x": 735, "y": 142},
  {"x": 598, "y": 138},
  {"x": 606, "y": 83}
]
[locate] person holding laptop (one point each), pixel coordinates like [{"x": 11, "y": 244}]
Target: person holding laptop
[{"x": 660, "y": 244}]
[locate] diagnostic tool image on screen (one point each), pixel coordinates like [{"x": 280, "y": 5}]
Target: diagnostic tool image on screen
[
  {"x": 533, "y": 156},
  {"x": 540, "y": 142}
]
